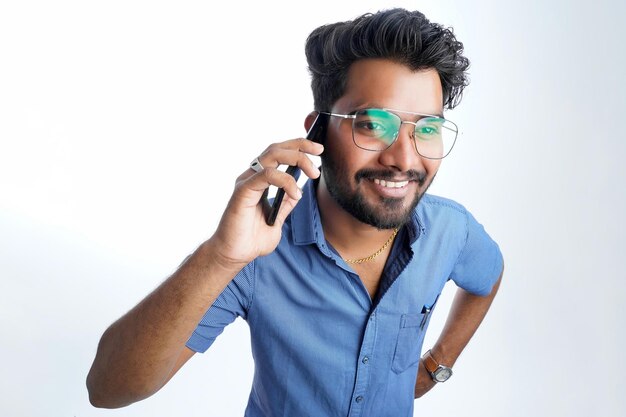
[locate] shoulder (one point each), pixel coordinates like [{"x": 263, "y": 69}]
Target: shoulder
[
  {"x": 434, "y": 210},
  {"x": 435, "y": 202}
]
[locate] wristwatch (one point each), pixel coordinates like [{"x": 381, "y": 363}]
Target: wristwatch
[{"x": 437, "y": 371}]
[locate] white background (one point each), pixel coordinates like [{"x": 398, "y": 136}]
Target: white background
[{"x": 123, "y": 125}]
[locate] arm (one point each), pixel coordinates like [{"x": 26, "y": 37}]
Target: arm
[
  {"x": 142, "y": 350},
  {"x": 137, "y": 353},
  {"x": 466, "y": 314}
]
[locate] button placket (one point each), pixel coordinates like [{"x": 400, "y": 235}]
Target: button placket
[{"x": 364, "y": 366}]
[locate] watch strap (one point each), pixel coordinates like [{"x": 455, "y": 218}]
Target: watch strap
[
  {"x": 437, "y": 371},
  {"x": 430, "y": 363}
]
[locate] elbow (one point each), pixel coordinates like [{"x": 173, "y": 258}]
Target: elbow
[
  {"x": 99, "y": 402},
  {"x": 103, "y": 394},
  {"x": 98, "y": 394},
  {"x": 102, "y": 399},
  {"x": 109, "y": 384}
]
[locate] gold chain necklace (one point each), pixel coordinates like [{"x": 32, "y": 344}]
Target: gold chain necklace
[{"x": 375, "y": 254}]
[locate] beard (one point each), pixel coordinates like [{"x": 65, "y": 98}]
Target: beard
[{"x": 390, "y": 213}]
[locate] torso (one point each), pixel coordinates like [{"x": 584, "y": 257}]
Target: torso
[{"x": 370, "y": 273}]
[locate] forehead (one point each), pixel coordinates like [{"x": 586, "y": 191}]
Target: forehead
[{"x": 385, "y": 83}]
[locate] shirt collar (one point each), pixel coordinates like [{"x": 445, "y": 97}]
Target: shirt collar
[{"x": 306, "y": 224}]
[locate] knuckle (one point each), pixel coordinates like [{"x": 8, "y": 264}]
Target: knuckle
[
  {"x": 242, "y": 178},
  {"x": 271, "y": 174},
  {"x": 268, "y": 173},
  {"x": 266, "y": 151},
  {"x": 238, "y": 184}
]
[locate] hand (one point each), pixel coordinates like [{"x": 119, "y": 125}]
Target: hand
[
  {"x": 243, "y": 234},
  {"x": 424, "y": 381}
]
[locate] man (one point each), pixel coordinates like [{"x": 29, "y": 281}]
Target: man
[{"x": 338, "y": 292}]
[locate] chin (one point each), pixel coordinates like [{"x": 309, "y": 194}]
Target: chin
[{"x": 389, "y": 213}]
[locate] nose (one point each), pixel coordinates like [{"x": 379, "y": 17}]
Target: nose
[{"x": 402, "y": 154}]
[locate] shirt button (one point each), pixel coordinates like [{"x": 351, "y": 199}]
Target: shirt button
[
  {"x": 365, "y": 360},
  {"x": 359, "y": 399}
]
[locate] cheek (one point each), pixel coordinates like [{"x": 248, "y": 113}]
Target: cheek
[
  {"x": 431, "y": 166},
  {"x": 346, "y": 155},
  {"x": 339, "y": 137}
]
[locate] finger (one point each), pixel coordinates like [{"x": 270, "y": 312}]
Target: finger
[
  {"x": 260, "y": 181},
  {"x": 299, "y": 149},
  {"x": 300, "y": 144},
  {"x": 292, "y": 157},
  {"x": 284, "y": 210},
  {"x": 268, "y": 156}
]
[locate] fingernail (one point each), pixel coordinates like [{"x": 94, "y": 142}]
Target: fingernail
[{"x": 299, "y": 194}]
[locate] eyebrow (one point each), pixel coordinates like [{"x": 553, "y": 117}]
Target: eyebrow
[
  {"x": 435, "y": 114},
  {"x": 370, "y": 105}
]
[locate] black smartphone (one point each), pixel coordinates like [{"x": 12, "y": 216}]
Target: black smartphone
[{"x": 317, "y": 133}]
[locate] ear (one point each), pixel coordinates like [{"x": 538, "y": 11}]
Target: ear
[{"x": 309, "y": 120}]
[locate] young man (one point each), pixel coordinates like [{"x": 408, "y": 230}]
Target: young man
[{"x": 338, "y": 292}]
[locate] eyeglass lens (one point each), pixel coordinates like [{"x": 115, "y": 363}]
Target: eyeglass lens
[{"x": 377, "y": 129}]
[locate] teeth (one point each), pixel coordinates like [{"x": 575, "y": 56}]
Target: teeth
[{"x": 390, "y": 184}]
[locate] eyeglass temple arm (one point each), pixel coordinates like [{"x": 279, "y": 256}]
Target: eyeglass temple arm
[{"x": 345, "y": 116}]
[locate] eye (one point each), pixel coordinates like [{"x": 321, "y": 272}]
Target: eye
[
  {"x": 370, "y": 127},
  {"x": 429, "y": 128},
  {"x": 375, "y": 123}
]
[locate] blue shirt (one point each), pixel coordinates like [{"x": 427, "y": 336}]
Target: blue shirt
[{"x": 321, "y": 345}]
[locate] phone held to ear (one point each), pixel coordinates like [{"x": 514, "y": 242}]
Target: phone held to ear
[{"x": 316, "y": 133}]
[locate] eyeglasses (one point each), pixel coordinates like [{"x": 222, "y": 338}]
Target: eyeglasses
[{"x": 378, "y": 129}]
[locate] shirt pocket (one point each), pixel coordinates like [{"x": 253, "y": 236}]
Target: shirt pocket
[
  {"x": 410, "y": 338},
  {"x": 409, "y": 342}
]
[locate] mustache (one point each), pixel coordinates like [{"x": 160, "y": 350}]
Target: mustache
[{"x": 370, "y": 174}]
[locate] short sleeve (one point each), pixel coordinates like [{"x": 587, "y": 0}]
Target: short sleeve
[
  {"x": 480, "y": 263},
  {"x": 233, "y": 302}
]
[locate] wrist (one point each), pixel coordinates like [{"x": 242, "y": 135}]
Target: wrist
[
  {"x": 212, "y": 251},
  {"x": 439, "y": 371},
  {"x": 443, "y": 354}
]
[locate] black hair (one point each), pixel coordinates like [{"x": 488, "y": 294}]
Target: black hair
[{"x": 406, "y": 37}]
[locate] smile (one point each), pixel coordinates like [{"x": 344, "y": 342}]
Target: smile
[{"x": 390, "y": 184}]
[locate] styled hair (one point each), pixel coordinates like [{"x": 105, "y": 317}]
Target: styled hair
[{"x": 406, "y": 37}]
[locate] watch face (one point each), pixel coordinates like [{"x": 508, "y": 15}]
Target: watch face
[{"x": 442, "y": 374}]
